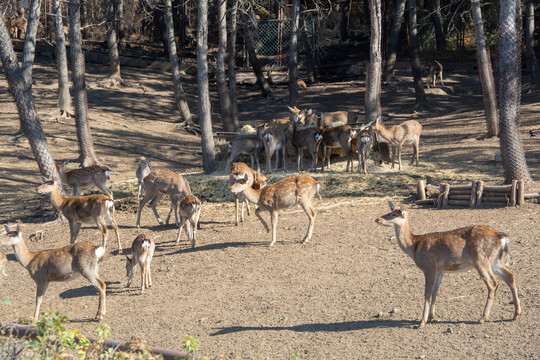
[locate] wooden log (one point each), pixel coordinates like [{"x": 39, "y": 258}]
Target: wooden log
[
  {"x": 520, "y": 193},
  {"x": 493, "y": 204},
  {"x": 458, "y": 202},
  {"x": 459, "y": 197},
  {"x": 472, "y": 199},
  {"x": 496, "y": 199},
  {"x": 460, "y": 187},
  {"x": 532, "y": 196},
  {"x": 460, "y": 192},
  {"x": 446, "y": 191},
  {"x": 502, "y": 188},
  {"x": 426, "y": 202},
  {"x": 513, "y": 193},
  {"x": 421, "y": 190},
  {"x": 479, "y": 193}
]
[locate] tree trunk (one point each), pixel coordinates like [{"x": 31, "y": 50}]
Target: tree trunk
[
  {"x": 121, "y": 28},
  {"x": 293, "y": 53},
  {"x": 373, "y": 82},
  {"x": 345, "y": 13},
  {"x": 231, "y": 67},
  {"x": 207, "y": 138},
  {"x": 394, "y": 37},
  {"x": 513, "y": 156},
  {"x": 261, "y": 80},
  {"x": 114, "y": 79},
  {"x": 310, "y": 66},
  {"x": 415, "y": 58},
  {"x": 25, "y": 106},
  {"x": 29, "y": 51},
  {"x": 485, "y": 72},
  {"x": 84, "y": 136},
  {"x": 532, "y": 65},
  {"x": 221, "y": 78},
  {"x": 179, "y": 95},
  {"x": 64, "y": 98},
  {"x": 436, "y": 19}
]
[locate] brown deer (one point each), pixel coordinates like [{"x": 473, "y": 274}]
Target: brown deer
[
  {"x": 3, "y": 263},
  {"x": 307, "y": 138},
  {"x": 275, "y": 142},
  {"x": 143, "y": 169},
  {"x": 250, "y": 145},
  {"x": 161, "y": 182},
  {"x": 299, "y": 189},
  {"x": 95, "y": 175},
  {"x": 364, "y": 143},
  {"x": 433, "y": 70},
  {"x": 405, "y": 133},
  {"x": 480, "y": 247},
  {"x": 240, "y": 171},
  {"x": 61, "y": 264},
  {"x": 142, "y": 251},
  {"x": 190, "y": 210},
  {"x": 327, "y": 119},
  {"x": 340, "y": 137},
  {"x": 83, "y": 210}
]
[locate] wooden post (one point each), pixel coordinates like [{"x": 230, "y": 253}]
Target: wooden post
[
  {"x": 479, "y": 191},
  {"x": 520, "y": 192},
  {"x": 421, "y": 190},
  {"x": 513, "y": 193},
  {"x": 472, "y": 203},
  {"x": 446, "y": 191}
]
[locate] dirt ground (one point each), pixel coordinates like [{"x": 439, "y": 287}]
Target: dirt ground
[{"x": 350, "y": 293}]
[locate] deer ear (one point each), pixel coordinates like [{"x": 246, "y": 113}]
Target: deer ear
[
  {"x": 65, "y": 162},
  {"x": 290, "y": 109},
  {"x": 392, "y": 205},
  {"x": 7, "y": 228},
  {"x": 403, "y": 210},
  {"x": 379, "y": 120},
  {"x": 44, "y": 179},
  {"x": 150, "y": 159}
]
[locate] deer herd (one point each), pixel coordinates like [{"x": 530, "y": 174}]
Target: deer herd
[{"x": 480, "y": 247}]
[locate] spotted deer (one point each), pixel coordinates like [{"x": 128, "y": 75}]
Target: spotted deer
[
  {"x": 240, "y": 171},
  {"x": 143, "y": 169},
  {"x": 293, "y": 190},
  {"x": 364, "y": 143},
  {"x": 405, "y": 133},
  {"x": 86, "y": 177},
  {"x": 250, "y": 145},
  {"x": 98, "y": 209},
  {"x": 61, "y": 264},
  {"x": 142, "y": 251},
  {"x": 433, "y": 70},
  {"x": 308, "y": 138},
  {"x": 480, "y": 247},
  {"x": 338, "y": 137},
  {"x": 190, "y": 210}
]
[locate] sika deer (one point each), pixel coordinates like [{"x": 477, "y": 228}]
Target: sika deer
[
  {"x": 340, "y": 137},
  {"x": 364, "y": 143},
  {"x": 325, "y": 120},
  {"x": 95, "y": 175},
  {"x": 480, "y": 247},
  {"x": 240, "y": 171},
  {"x": 83, "y": 210},
  {"x": 161, "y": 182},
  {"x": 142, "y": 251},
  {"x": 284, "y": 194},
  {"x": 406, "y": 133},
  {"x": 142, "y": 170},
  {"x": 61, "y": 264},
  {"x": 433, "y": 70},
  {"x": 190, "y": 210},
  {"x": 249, "y": 145},
  {"x": 275, "y": 141},
  {"x": 305, "y": 138}
]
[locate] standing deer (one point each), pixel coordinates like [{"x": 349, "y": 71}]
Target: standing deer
[
  {"x": 340, "y": 137},
  {"x": 250, "y": 145},
  {"x": 433, "y": 70},
  {"x": 83, "y": 210},
  {"x": 480, "y": 247},
  {"x": 142, "y": 170},
  {"x": 364, "y": 143},
  {"x": 95, "y": 175},
  {"x": 190, "y": 210},
  {"x": 142, "y": 251},
  {"x": 327, "y": 119},
  {"x": 406, "y": 133},
  {"x": 299, "y": 189},
  {"x": 61, "y": 264},
  {"x": 307, "y": 138},
  {"x": 275, "y": 141},
  {"x": 240, "y": 171},
  {"x": 161, "y": 182}
]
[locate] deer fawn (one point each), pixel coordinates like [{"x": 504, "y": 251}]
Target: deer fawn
[
  {"x": 83, "y": 210},
  {"x": 406, "y": 133},
  {"x": 142, "y": 251},
  {"x": 240, "y": 171},
  {"x": 433, "y": 70},
  {"x": 249, "y": 145},
  {"x": 364, "y": 143},
  {"x": 3, "y": 263},
  {"x": 61, "y": 264},
  {"x": 190, "y": 210},
  {"x": 341, "y": 137},
  {"x": 95, "y": 175},
  {"x": 480, "y": 247},
  {"x": 142, "y": 170},
  {"x": 161, "y": 182},
  {"x": 307, "y": 138},
  {"x": 284, "y": 194}
]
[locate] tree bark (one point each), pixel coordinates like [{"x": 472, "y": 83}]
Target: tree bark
[
  {"x": 394, "y": 37},
  {"x": 293, "y": 55},
  {"x": 29, "y": 51},
  {"x": 310, "y": 66},
  {"x": 436, "y": 19},
  {"x": 84, "y": 135},
  {"x": 207, "y": 138},
  {"x": 231, "y": 67},
  {"x": 513, "y": 156},
  {"x": 179, "y": 95},
  {"x": 415, "y": 58},
  {"x": 64, "y": 98},
  {"x": 257, "y": 70},
  {"x": 532, "y": 64},
  {"x": 121, "y": 28},
  {"x": 221, "y": 78},
  {"x": 114, "y": 79},
  {"x": 485, "y": 72},
  {"x": 373, "y": 82},
  {"x": 345, "y": 13}
]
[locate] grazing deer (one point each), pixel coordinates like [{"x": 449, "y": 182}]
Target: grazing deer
[
  {"x": 95, "y": 175},
  {"x": 240, "y": 171},
  {"x": 340, "y": 137},
  {"x": 364, "y": 143},
  {"x": 433, "y": 70},
  {"x": 161, "y": 182},
  {"x": 142, "y": 170},
  {"x": 307, "y": 138},
  {"x": 61, "y": 264},
  {"x": 3, "y": 263},
  {"x": 251, "y": 145},
  {"x": 480, "y": 247},
  {"x": 299, "y": 189},
  {"x": 327, "y": 119},
  {"x": 406, "y": 133},
  {"x": 190, "y": 210},
  {"x": 83, "y": 210},
  {"x": 142, "y": 251}
]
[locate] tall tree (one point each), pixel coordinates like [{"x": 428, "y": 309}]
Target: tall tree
[
  {"x": 293, "y": 55},
  {"x": 532, "y": 65},
  {"x": 485, "y": 72},
  {"x": 221, "y": 78},
  {"x": 207, "y": 138},
  {"x": 310, "y": 65},
  {"x": 513, "y": 156},
  {"x": 345, "y": 13},
  {"x": 394, "y": 37},
  {"x": 415, "y": 58},
  {"x": 436, "y": 19},
  {"x": 373, "y": 82},
  {"x": 114, "y": 79},
  {"x": 64, "y": 98},
  {"x": 29, "y": 51},
  {"x": 232, "y": 62},
  {"x": 254, "y": 61}
]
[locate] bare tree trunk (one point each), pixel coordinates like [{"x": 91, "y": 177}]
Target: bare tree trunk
[
  {"x": 114, "y": 79},
  {"x": 179, "y": 94},
  {"x": 293, "y": 53},
  {"x": 64, "y": 98},
  {"x": 310, "y": 66},
  {"x": 231, "y": 67},
  {"x": 207, "y": 138},
  {"x": 221, "y": 78},
  {"x": 84, "y": 135},
  {"x": 532, "y": 65},
  {"x": 513, "y": 156},
  {"x": 436, "y": 19},
  {"x": 29, "y": 51},
  {"x": 345, "y": 13},
  {"x": 25, "y": 106},
  {"x": 373, "y": 82},
  {"x": 415, "y": 58},
  {"x": 121, "y": 28},
  {"x": 394, "y": 37},
  {"x": 484, "y": 70},
  {"x": 261, "y": 80}
]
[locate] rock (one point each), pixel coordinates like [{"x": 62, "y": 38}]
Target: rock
[
  {"x": 394, "y": 311},
  {"x": 449, "y": 331},
  {"x": 379, "y": 315}
]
